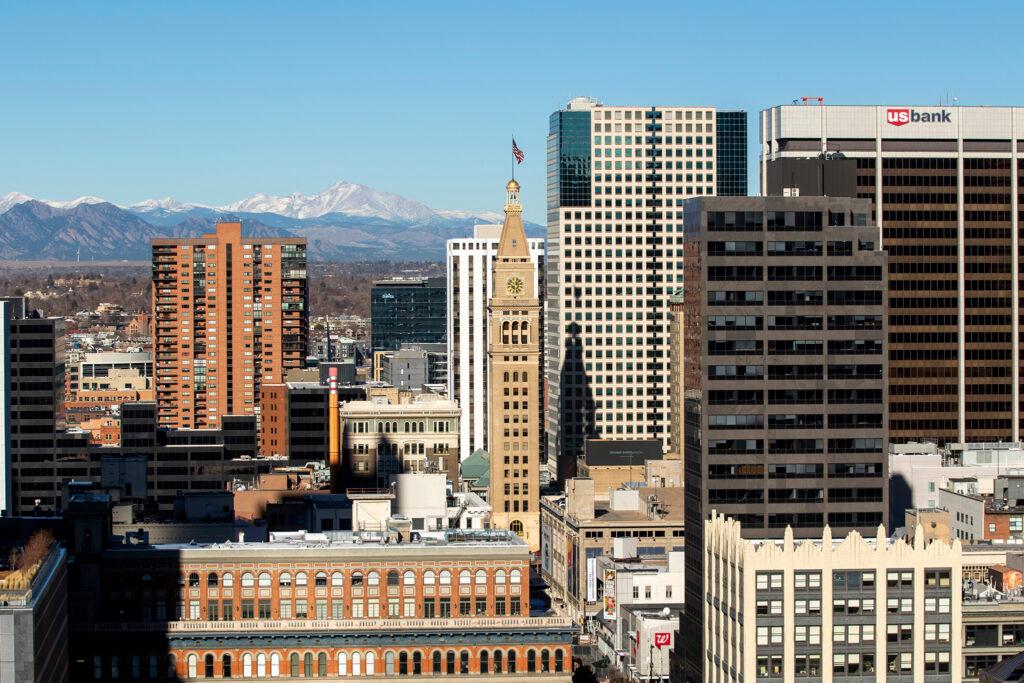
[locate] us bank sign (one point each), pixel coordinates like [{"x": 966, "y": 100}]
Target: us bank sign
[{"x": 901, "y": 117}]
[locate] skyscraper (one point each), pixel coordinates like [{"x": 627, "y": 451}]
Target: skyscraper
[
  {"x": 617, "y": 180},
  {"x": 731, "y": 143},
  {"x": 406, "y": 311},
  {"x": 944, "y": 184},
  {"x": 784, "y": 375},
  {"x": 514, "y": 368},
  {"x": 229, "y": 314},
  {"x": 469, "y": 288}
]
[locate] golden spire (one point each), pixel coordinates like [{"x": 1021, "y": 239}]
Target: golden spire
[{"x": 513, "y": 236}]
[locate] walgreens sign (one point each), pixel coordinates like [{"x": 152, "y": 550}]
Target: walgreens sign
[{"x": 901, "y": 117}]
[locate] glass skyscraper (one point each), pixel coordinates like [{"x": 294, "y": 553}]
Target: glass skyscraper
[
  {"x": 731, "y": 136},
  {"x": 407, "y": 311}
]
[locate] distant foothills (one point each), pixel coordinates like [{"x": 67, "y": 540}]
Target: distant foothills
[{"x": 345, "y": 222}]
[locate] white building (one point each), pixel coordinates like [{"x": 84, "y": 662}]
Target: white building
[
  {"x": 617, "y": 178},
  {"x": 469, "y": 288},
  {"x": 830, "y": 608}
]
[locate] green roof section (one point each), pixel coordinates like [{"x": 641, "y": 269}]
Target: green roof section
[{"x": 477, "y": 467}]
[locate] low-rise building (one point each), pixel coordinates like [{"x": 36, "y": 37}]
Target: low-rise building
[
  {"x": 830, "y": 608},
  {"x": 578, "y": 526},
  {"x": 318, "y": 605}
]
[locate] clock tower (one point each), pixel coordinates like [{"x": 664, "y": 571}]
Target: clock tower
[{"x": 514, "y": 367}]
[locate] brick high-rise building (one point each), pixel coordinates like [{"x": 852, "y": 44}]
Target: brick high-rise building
[{"x": 229, "y": 314}]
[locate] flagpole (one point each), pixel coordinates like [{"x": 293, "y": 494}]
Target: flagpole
[{"x": 513, "y": 159}]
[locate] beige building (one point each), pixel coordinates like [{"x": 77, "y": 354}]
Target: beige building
[
  {"x": 579, "y": 526},
  {"x": 830, "y": 608},
  {"x": 395, "y": 432},
  {"x": 514, "y": 367}
]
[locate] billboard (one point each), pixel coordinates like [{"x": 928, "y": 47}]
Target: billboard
[{"x": 609, "y": 593}]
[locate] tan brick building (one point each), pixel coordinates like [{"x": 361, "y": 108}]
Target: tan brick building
[{"x": 229, "y": 314}]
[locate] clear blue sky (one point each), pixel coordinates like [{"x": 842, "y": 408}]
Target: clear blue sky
[{"x": 212, "y": 101}]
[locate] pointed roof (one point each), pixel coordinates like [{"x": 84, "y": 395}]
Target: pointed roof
[{"x": 513, "y": 242}]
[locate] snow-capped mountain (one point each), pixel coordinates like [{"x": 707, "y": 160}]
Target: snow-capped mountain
[
  {"x": 342, "y": 197},
  {"x": 346, "y": 221}
]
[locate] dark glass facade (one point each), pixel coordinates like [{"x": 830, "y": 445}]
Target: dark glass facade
[
  {"x": 569, "y": 157},
  {"x": 407, "y": 311},
  {"x": 731, "y": 143}
]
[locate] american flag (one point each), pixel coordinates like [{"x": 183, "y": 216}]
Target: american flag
[{"x": 516, "y": 152}]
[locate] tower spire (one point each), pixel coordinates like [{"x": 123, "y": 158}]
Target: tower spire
[{"x": 513, "y": 235}]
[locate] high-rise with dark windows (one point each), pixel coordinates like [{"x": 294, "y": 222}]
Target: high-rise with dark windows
[
  {"x": 407, "y": 311},
  {"x": 617, "y": 179},
  {"x": 731, "y": 137},
  {"x": 944, "y": 186},
  {"x": 784, "y": 370}
]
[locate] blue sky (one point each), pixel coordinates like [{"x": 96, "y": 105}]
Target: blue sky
[{"x": 211, "y": 102}]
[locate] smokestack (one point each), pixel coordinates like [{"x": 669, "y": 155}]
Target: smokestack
[{"x": 334, "y": 428}]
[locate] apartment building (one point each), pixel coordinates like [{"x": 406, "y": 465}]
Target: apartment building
[
  {"x": 944, "y": 186},
  {"x": 229, "y": 314},
  {"x": 328, "y": 605},
  {"x": 618, "y": 176},
  {"x": 469, "y": 288},
  {"x": 783, "y": 370},
  {"x": 829, "y": 608}
]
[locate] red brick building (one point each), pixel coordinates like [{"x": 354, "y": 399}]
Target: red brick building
[{"x": 318, "y": 605}]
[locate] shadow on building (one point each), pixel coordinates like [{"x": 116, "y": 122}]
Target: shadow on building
[{"x": 578, "y": 410}]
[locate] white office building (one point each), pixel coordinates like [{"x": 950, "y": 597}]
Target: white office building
[{"x": 469, "y": 288}]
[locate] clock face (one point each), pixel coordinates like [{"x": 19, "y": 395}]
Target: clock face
[{"x": 514, "y": 286}]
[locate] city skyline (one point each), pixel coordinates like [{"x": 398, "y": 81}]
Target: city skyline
[{"x": 303, "y": 100}]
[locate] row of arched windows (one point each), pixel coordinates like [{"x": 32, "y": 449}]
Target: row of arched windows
[
  {"x": 357, "y": 579},
  {"x": 402, "y": 663},
  {"x": 515, "y": 332}
]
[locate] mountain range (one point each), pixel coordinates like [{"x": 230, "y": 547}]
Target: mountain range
[{"x": 345, "y": 222}]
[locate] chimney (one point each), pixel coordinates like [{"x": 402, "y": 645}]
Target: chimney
[
  {"x": 334, "y": 427},
  {"x": 241, "y": 537}
]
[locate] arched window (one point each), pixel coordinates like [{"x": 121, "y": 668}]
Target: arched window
[
  {"x": 208, "y": 666},
  {"x": 464, "y": 662},
  {"x": 193, "y": 580},
  {"x": 307, "y": 665},
  {"x": 497, "y": 661},
  {"x": 437, "y": 661},
  {"x": 525, "y": 336},
  {"x": 531, "y": 661},
  {"x": 464, "y": 577},
  {"x": 285, "y": 579},
  {"x": 417, "y": 663},
  {"x": 516, "y": 527},
  {"x": 545, "y": 661},
  {"x": 446, "y": 578},
  {"x": 516, "y": 575},
  {"x": 293, "y": 665},
  {"x": 225, "y": 666},
  {"x": 264, "y": 580},
  {"x": 450, "y": 662},
  {"x": 172, "y": 666},
  {"x": 154, "y": 666},
  {"x": 357, "y": 664},
  {"x": 343, "y": 664},
  {"x": 558, "y": 661},
  {"x": 247, "y": 665},
  {"x": 228, "y": 580},
  {"x": 403, "y": 663},
  {"x": 115, "y": 666},
  {"x": 409, "y": 578},
  {"x": 211, "y": 580},
  {"x": 373, "y": 579},
  {"x": 389, "y": 663},
  {"x": 429, "y": 578},
  {"x": 275, "y": 664},
  {"x": 321, "y": 664},
  {"x": 392, "y": 578},
  {"x": 357, "y": 579},
  {"x": 193, "y": 665},
  {"x": 261, "y": 664},
  {"x": 481, "y": 577},
  {"x": 515, "y": 339},
  {"x": 248, "y": 580},
  {"x": 506, "y": 327},
  {"x": 320, "y": 580},
  {"x": 371, "y": 660},
  {"x": 505, "y": 376},
  {"x": 515, "y": 376},
  {"x": 511, "y": 661},
  {"x": 483, "y": 662},
  {"x": 301, "y": 580},
  {"x": 499, "y": 577},
  {"x": 136, "y": 666},
  {"x": 337, "y": 580}
]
